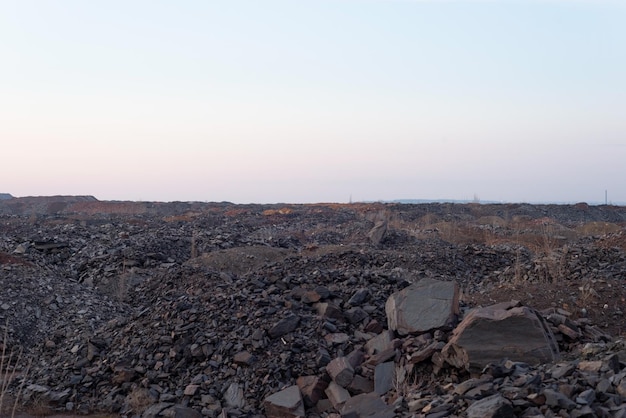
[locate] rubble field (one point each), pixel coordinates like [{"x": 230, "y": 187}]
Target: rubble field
[{"x": 192, "y": 309}]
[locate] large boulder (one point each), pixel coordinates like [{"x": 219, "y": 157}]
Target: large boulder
[
  {"x": 503, "y": 331},
  {"x": 423, "y": 306}
]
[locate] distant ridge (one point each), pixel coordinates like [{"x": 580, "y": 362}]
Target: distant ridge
[
  {"x": 5, "y": 196},
  {"x": 460, "y": 201},
  {"x": 493, "y": 202}
]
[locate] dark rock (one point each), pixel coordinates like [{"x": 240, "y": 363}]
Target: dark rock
[
  {"x": 366, "y": 405},
  {"x": 284, "y": 326},
  {"x": 494, "y": 406},
  {"x": 359, "y": 297},
  {"x": 355, "y": 315}
]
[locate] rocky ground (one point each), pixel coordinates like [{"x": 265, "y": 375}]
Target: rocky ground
[{"x": 214, "y": 309}]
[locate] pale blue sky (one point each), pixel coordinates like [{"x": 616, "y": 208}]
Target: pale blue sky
[{"x": 314, "y": 100}]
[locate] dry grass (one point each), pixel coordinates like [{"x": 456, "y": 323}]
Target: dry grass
[
  {"x": 9, "y": 366},
  {"x": 138, "y": 400}
]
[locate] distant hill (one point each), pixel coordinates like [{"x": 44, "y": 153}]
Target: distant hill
[{"x": 4, "y": 196}]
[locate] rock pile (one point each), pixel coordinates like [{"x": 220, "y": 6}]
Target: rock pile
[{"x": 247, "y": 311}]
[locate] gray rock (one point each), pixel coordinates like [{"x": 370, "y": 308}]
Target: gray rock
[
  {"x": 311, "y": 388},
  {"x": 379, "y": 343},
  {"x": 337, "y": 395},
  {"x": 423, "y": 306},
  {"x": 286, "y": 403},
  {"x": 328, "y": 310},
  {"x": 586, "y": 397},
  {"x": 284, "y": 326},
  {"x": 494, "y": 406},
  {"x": 234, "y": 396},
  {"x": 180, "y": 411},
  {"x": 341, "y": 371},
  {"x": 355, "y": 315},
  {"x": 377, "y": 233},
  {"x": 366, "y": 405},
  {"x": 558, "y": 400},
  {"x": 489, "y": 335},
  {"x": 154, "y": 410},
  {"x": 383, "y": 377},
  {"x": 359, "y": 297}
]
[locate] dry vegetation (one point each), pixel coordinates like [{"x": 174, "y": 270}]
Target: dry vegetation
[{"x": 10, "y": 362}]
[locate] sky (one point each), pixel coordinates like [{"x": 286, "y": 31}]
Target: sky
[{"x": 305, "y": 101}]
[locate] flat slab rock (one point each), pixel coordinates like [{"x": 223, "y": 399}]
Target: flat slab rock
[
  {"x": 366, "y": 405},
  {"x": 503, "y": 331},
  {"x": 423, "y": 306},
  {"x": 286, "y": 403}
]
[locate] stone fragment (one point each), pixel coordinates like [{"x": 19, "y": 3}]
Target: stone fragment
[
  {"x": 285, "y": 404},
  {"x": 423, "y": 306},
  {"x": 324, "y": 406},
  {"x": 367, "y": 405},
  {"x": 426, "y": 352},
  {"x": 322, "y": 291},
  {"x": 155, "y": 410},
  {"x": 382, "y": 356},
  {"x": 570, "y": 333},
  {"x": 312, "y": 389},
  {"x": 341, "y": 371},
  {"x": 561, "y": 370},
  {"x": 494, "y": 406},
  {"x": 374, "y": 327},
  {"x": 355, "y": 315},
  {"x": 123, "y": 375},
  {"x": 244, "y": 358},
  {"x": 383, "y": 377},
  {"x": 360, "y": 385},
  {"x": 557, "y": 399},
  {"x": 337, "y": 338},
  {"x": 381, "y": 342},
  {"x": 284, "y": 326},
  {"x": 337, "y": 395},
  {"x": 329, "y": 310},
  {"x": 377, "y": 233},
  {"x": 310, "y": 296},
  {"x": 586, "y": 397},
  {"x": 322, "y": 358},
  {"x": 590, "y": 366},
  {"x": 356, "y": 357},
  {"x": 191, "y": 390},
  {"x": 180, "y": 411},
  {"x": 480, "y": 391},
  {"x": 234, "y": 396},
  {"x": 489, "y": 335},
  {"x": 359, "y": 297},
  {"x": 469, "y": 384}
]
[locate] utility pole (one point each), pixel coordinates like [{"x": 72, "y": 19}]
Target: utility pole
[{"x": 606, "y": 197}]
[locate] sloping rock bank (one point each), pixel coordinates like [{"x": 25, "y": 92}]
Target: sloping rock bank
[{"x": 206, "y": 345}]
